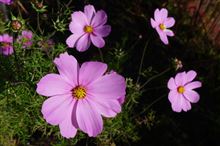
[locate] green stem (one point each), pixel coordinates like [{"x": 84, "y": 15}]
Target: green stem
[
  {"x": 154, "y": 77},
  {"x": 38, "y": 24},
  {"x": 101, "y": 55}
]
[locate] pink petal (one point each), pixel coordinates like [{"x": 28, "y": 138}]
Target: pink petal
[
  {"x": 91, "y": 71},
  {"x": 176, "y": 103},
  {"x": 163, "y": 14},
  {"x": 157, "y": 16},
  {"x": 171, "y": 84},
  {"x": 106, "y": 107},
  {"x": 169, "y": 22},
  {"x": 169, "y": 32},
  {"x": 173, "y": 94},
  {"x": 83, "y": 43},
  {"x": 153, "y": 23},
  {"x": 80, "y": 18},
  {"x": 67, "y": 129},
  {"x": 185, "y": 104},
  {"x": 102, "y": 31},
  {"x": 53, "y": 84},
  {"x": 164, "y": 38},
  {"x": 76, "y": 28},
  {"x": 192, "y": 96},
  {"x": 180, "y": 79},
  {"x": 193, "y": 85},
  {"x": 121, "y": 100},
  {"x": 89, "y": 11},
  {"x": 99, "y": 19},
  {"x": 54, "y": 109},
  {"x": 88, "y": 119},
  {"x": 71, "y": 40},
  {"x": 190, "y": 75},
  {"x": 97, "y": 41},
  {"x": 68, "y": 68},
  {"x": 110, "y": 86}
]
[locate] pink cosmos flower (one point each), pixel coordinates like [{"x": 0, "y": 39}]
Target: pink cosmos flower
[
  {"x": 181, "y": 91},
  {"x": 162, "y": 23},
  {"x": 88, "y": 27},
  {"x": 8, "y": 2},
  {"x": 80, "y": 95},
  {"x": 25, "y": 38},
  {"x": 6, "y": 47}
]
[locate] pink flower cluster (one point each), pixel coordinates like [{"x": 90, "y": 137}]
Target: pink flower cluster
[
  {"x": 6, "y": 44},
  {"x": 8, "y": 2},
  {"x": 25, "y": 39}
]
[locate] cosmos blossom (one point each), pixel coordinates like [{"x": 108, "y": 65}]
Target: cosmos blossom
[
  {"x": 8, "y": 2},
  {"x": 80, "y": 96},
  {"x": 181, "y": 93},
  {"x": 162, "y": 23},
  {"x": 6, "y": 42},
  {"x": 25, "y": 38},
  {"x": 88, "y": 26}
]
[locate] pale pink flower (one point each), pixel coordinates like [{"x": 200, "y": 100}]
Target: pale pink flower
[
  {"x": 162, "y": 23},
  {"x": 80, "y": 96},
  {"x": 6, "y": 47},
  {"x": 181, "y": 93},
  {"x": 25, "y": 38},
  {"x": 8, "y": 2},
  {"x": 88, "y": 27}
]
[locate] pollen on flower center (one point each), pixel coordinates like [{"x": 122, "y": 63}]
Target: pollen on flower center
[
  {"x": 4, "y": 44},
  {"x": 79, "y": 92},
  {"x": 180, "y": 89},
  {"x": 88, "y": 29},
  {"x": 162, "y": 26}
]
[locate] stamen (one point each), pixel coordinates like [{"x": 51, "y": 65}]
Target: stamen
[
  {"x": 79, "y": 92},
  {"x": 181, "y": 89},
  {"x": 162, "y": 26},
  {"x": 88, "y": 29}
]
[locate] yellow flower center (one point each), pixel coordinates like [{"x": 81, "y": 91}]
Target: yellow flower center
[
  {"x": 4, "y": 44},
  {"x": 79, "y": 92},
  {"x": 162, "y": 27},
  {"x": 88, "y": 29},
  {"x": 180, "y": 89}
]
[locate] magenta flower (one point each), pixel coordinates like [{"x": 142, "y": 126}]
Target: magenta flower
[
  {"x": 8, "y": 2},
  {"x": 181, "y": 91},
  {"x": 80, "y": 95},
  {"x": 6, "y": 42},
  {"x": 88, "y": 27},
  {"x": 25, "y": 38},
  {"x": 162, "y": 23}
]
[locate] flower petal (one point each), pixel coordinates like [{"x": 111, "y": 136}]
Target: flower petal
[
  {"x": 121, "y": 99},
  {"x": 102, "y": 31},
  {"x": 154, "y": 24},
  {"x": 171, "y": 84},
  {"x": 164, "y": 38},
  {"x": 190, "y": 75},
  {"x": 99, "y": 19},
  {"x": 88, "y": 119},
  {"x": 53, "y": 84},
  {"x": 54, "y": 109},
  {"x": 80, "y": 18},
  {"x": 157, "y": 16},
  {"x": 83, "y": 43},
  {"x": 97, "y": 41},
  {"x": 89, "y": 11},
  {"x": 163, "y": 14},
  {"x": 180, "y": 79},
  {"x": 68, "y": 68},
  {"x": 110, "y": 86},
  {"x": 192, "y": 96},
  {"x": 193, "y": 85},
  {"x": 91, "y": 71},
  {"x": 76, "y": 28},
  {"x": 67, "y": 129},
  {"x": 71, "y": 40},
  {"x": 169, "y": 22},
  {"x": 173, "y": 94},
  {"x": 176, "y": 103},
  {"x": 185, "y": 104},
  {"x": 106, "y": 107},
  {"x": 169, "y": 32}
]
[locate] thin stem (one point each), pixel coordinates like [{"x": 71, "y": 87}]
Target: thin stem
[
  {"x": 154, "y": 77},
  {"x": 150, "y": 105},
  {"x": 38, "y": 23},
  {"x": 101, "y": 55},
  {"x": 142, "y": 60}
]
